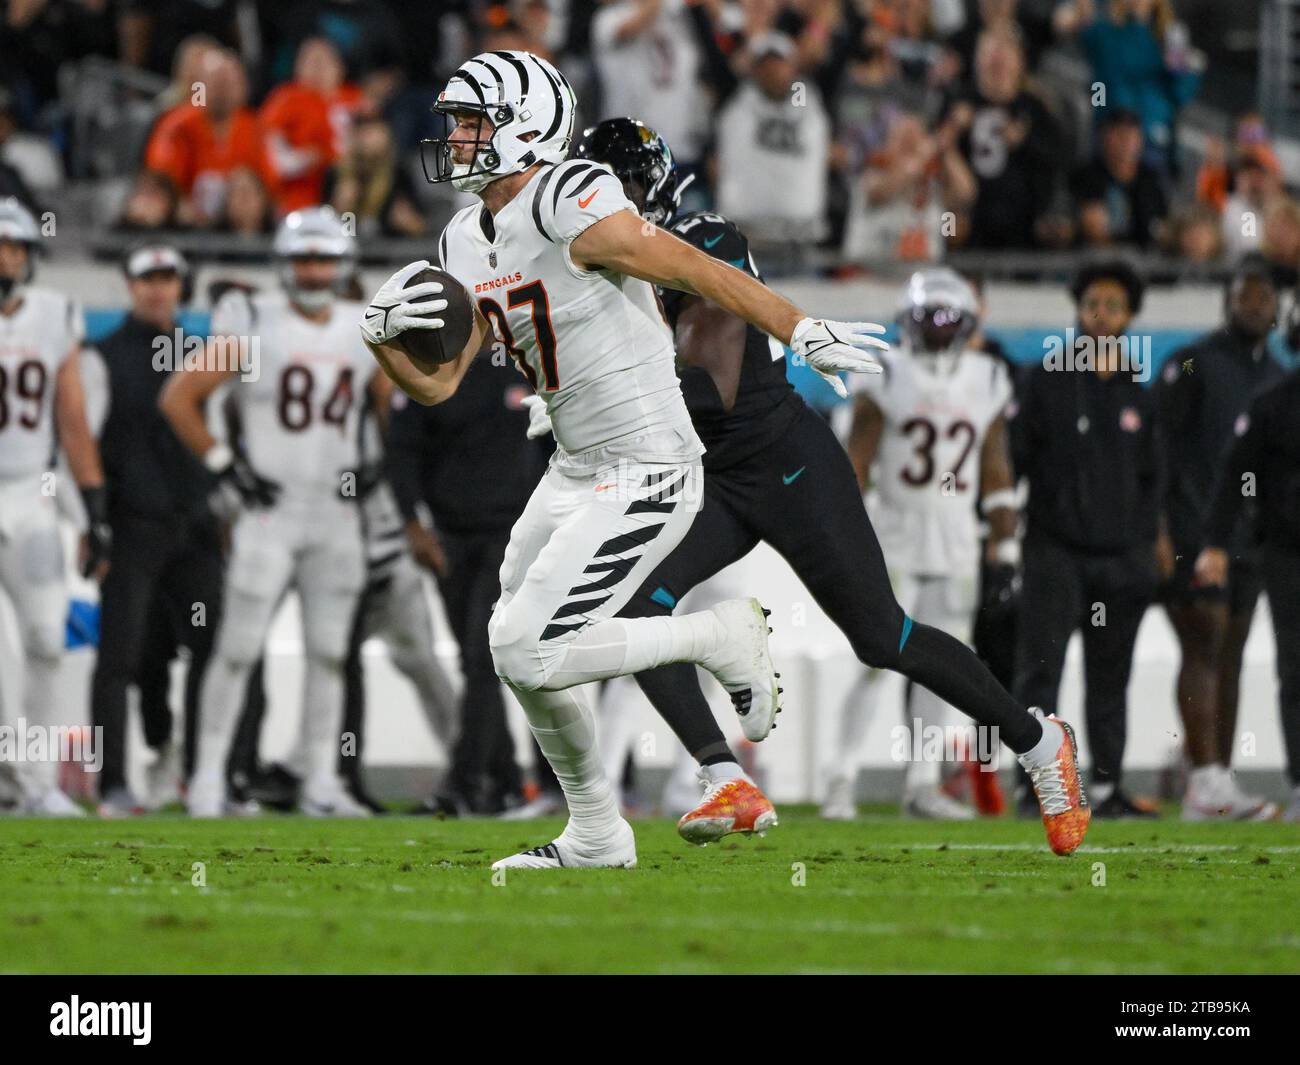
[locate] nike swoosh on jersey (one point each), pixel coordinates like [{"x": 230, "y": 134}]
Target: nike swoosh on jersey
[
  {"x": 593, "y": 194},
  {"x": 710, "y": 243},
  {"x": 790, "y": 478}
]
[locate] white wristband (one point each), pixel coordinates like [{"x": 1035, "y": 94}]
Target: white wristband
[
  {"x": 218, "y": 457},
  {"x": 1003, "y": 497},
  {"x": 1007, "y": 552}
]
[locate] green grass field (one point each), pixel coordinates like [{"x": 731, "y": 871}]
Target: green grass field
[{"x": 415, "y": 895}]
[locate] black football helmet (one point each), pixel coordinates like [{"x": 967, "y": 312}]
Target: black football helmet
[{"x": 643, "y": 162}]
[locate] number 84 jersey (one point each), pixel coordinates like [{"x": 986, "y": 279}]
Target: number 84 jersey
[
  {"x": 594, "y": 344},
  {"x": 927, "y": 469},
  {"x": 299, "y": 403}
]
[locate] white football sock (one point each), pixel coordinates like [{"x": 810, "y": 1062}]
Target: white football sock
[
  {"x": 1044, "y": 751},
  {"x": 1203, "y": 779},
  {"x": 436, "y": 690},
  {"x": 856, "y": 714},
  {"x": 220, "y": 700},
  {"x": 322, "y": 723},
  {"x": 41, "y": 710},
  {"x": 617, "y": 702},
  {"x": 565, "y": 729},
  {"x": 720, "y": 772},
  {"x": 1099, "y": 793},
  {"x": 928, "y": 712}
]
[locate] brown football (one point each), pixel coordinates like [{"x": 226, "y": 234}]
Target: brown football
[{"x": 440, "y": 345}]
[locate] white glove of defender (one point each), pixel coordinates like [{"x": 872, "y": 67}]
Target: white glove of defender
[
  {"x": 829, "y": 347},
  {"x": 392, "y": 311},
  {"x": 539, "y": 422}
]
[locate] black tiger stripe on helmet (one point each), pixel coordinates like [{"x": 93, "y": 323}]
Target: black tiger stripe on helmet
[{"x": 527, "y": 110}]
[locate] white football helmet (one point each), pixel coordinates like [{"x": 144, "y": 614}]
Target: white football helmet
[
  {"x": 937, "y": 313},
  {"x": 315, "y": 233},
  {"x": 18, "y": 224},
  {"x": 530, "y": 105}
]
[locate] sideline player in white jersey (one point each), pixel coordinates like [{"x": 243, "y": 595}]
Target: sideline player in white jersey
[
  {"x": 298, "y": 411},
  {"x": 932, "y": 439},
  {"x": 562, "y": 267},
  {"x": 42, "y": 409}
]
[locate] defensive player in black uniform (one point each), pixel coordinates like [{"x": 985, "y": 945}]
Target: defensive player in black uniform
[{"x": 775, "y": 472}]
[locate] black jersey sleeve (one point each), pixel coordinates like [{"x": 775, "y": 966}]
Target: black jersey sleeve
[{"x": 717, "y": 236}]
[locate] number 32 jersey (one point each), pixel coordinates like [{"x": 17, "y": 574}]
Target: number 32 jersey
[
  {"x": 594, "y": 344},
  {"x": 927, "y": 469},
  {"x": 299, "y": 409}
]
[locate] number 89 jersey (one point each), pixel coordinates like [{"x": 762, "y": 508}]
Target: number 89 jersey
[
  {"x": 927, "y": 469},
  {"x": 299, "y": 407},
  {"x": 593, "y": 344},
  {"x": 34, "y": 342}
]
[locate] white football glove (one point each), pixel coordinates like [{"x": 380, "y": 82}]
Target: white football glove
[
  {"x": 392, "y": 311},
  {"x": 829, "y": 347},
  {"x": 539, "y": 422}
]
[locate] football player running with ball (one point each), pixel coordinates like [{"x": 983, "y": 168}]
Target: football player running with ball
[
  {"x": 776, "y": 473},
  {"x": 564, "y": 268}
]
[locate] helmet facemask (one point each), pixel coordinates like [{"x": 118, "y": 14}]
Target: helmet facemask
[
  {"x": 484, "y": 165},
  {"x": 313, "y": 297},
  {"x": 938, "y": 313},
  {"x": 937, "y": 334}
]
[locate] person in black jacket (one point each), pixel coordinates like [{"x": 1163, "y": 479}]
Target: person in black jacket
[
  {"x": 1263, "y": 467},
  {"x": 469, "y": 462},
  {"x": 1088, "y": 442},
  {"x": 166, "y": 547},
  {"x": 1203, "y": 390}
]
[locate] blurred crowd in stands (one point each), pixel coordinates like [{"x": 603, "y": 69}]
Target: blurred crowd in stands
[{"x": 884, "y": 129}]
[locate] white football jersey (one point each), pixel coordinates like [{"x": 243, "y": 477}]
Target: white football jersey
[
  {"x": 299, "y": 413},
  {"x": 34, "y": 341},
  {"x": 927, "y": 469},
  {"x": 594, "y": 344}
]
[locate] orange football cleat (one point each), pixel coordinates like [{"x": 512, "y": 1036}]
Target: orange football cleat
[
  {"x": 1060, "y": 793},
  {"x": 728, "y": 806}
]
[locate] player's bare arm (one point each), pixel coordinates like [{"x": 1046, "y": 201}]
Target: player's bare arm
[
  {"x": 998, "y": 487},
  {"x": 75, "y": 436},
  {"x": 78, "y": 443},
  {"x": 183, "y": 398},
  {"x": 400, "y": 306},
  {"x": 864, "y": 438},
  {"x": 623, "y": 243},
  {"x": 182, "y": 402},
  {"x": 713, "y": 340},
  {"x": 425, "y": 382},
  {"x": 380, "y": 390}
]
